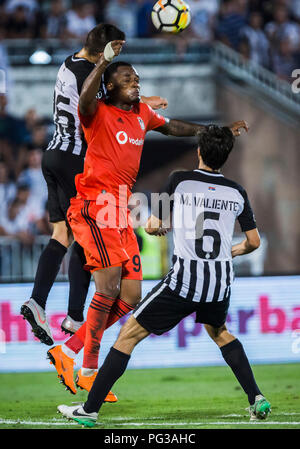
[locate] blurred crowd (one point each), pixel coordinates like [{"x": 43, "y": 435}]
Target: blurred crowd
[
  {"x": 23, "y": 191},
  {"x": 263, "y": 31},
  {"x": 266, "y": 32}
]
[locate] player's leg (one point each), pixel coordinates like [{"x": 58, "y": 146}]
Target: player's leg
[
  {"x": 234, "y": 355},
  {"x": 112, "y": 369},
  {"x": 51, "y": 257},
  {"x": 130, "y": 293},
  {"x": 159, "y": 312},
  {"x": 79, "y": 281},
  {"x": 62, "y": 356}
]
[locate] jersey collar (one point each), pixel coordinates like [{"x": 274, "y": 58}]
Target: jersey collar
[{"x": 209, "y": 173}]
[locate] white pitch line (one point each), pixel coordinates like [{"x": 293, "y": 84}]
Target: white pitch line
[
  {"x": 217, "y": 423},
  {"x": 162, "y": 424},
  {"x": 233, "y": 415},
  {"x": 37, "y": 423}
]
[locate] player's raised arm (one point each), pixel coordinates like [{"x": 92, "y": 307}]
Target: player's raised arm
[
  {"x": 180, "y": 128},
  {"x": 90, "y": 88},
  {"x": 155, "y": 102}
]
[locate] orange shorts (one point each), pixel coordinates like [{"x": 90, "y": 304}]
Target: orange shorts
[{"x": 104, "y": 246}]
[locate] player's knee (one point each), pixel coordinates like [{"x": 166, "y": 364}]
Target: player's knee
[
  {"x": 108, "y": 281},
  {"x": 134, "y": 299},
  {"x": 61, "y": 233},
  {"x": 130, "y": 335},
  {"x": 217, "y": 334},
  {"x": 110, "y": 288}
]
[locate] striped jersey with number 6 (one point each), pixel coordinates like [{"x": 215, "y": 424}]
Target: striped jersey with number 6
[{"x": 205, "y": 206}]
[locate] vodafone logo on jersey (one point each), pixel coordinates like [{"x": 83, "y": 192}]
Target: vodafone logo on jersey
[{"x": 123, "y": 138}]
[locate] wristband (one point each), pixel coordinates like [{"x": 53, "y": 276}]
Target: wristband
[{"x": 108, "y": 54}]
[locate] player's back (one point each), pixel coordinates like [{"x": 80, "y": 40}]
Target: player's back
[
  {"x": 205, "y": 207},
  {"x": 68, "y": 134}
]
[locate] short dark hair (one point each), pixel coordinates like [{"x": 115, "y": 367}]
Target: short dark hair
[
  {"x": 215, "y": 145},
  {"x": 112, "y": 68},
  {"x": 99, "y": 36}
]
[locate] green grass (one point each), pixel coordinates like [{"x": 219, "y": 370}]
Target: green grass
[{"x": 186, "y": 398}]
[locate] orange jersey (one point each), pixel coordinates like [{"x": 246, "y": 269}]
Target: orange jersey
[{"x": 115, "y": 141}]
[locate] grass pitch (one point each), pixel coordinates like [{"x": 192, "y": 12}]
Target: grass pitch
[{"x": 185, "y": 398}]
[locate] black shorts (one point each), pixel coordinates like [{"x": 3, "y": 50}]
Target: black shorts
[
  {"x": 59, "y": 170},
  {"x": 162, "y": 309}
]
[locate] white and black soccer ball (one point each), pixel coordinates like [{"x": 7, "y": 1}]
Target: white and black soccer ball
[{"x": 171, "y": 16}]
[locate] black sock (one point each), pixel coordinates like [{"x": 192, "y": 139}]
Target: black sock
[
  {"x": 47, "y": 270},
  {"x": 113, "y": 367},
  {"x": 234, "y": 355},
  {"x": 79, "y": 282}
]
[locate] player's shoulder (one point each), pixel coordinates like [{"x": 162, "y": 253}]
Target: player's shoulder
[
  {"x": 77, "y": 65},
  {"x": 80, "y": 68},
  {"x": 178, "y": 176},
  {"x": 234, "y": 185},
  {"x": 207, "y": 178},
  {"x": 144, "y": 108}
]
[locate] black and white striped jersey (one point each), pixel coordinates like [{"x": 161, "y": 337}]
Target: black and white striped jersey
[
  {"x": 205, "y": 206},
  {"x": 68, "y": 135}
]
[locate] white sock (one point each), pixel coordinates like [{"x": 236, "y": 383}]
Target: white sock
[
  {"x": 68, "y": 351},
  {"x": 88, "y": 371}
]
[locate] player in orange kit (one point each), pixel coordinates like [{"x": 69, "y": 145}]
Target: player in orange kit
[{"x": 115, "y": 130}]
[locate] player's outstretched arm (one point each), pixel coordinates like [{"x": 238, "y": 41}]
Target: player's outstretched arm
[
  {"x": 180, "y": 128},
  {"x": 154, "y": 226},
  {"x": 250, "y": 244},
  {"x": 155, "y": 102},
  {"x": 87, "y": 99}
]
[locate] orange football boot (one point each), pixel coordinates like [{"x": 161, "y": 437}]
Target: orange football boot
[
  {"x": 86, "y": 382},
  {"x": 64, "y": 366}
]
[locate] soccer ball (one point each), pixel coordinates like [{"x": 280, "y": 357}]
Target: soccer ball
[{"x": 172, "y": 16}]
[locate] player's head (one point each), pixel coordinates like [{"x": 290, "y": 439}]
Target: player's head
[
  {"x": 215, "y": 145},
  {"x": 122, "y": 83},
  {"x": 101, "y": 35}
]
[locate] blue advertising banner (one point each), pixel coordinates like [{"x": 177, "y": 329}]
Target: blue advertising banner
[{"x": 264, "y": 314}]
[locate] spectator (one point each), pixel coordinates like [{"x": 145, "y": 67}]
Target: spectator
[
  {"x": 32, "y": 175},
  {"x": 31, "y": 119},
  {"x": 123, "y": 14},
  {"x": 21, "y": 219},
  {"x": 295, "y": 9},
  {"x": 7, "y": 187},
  {"x": 144, "y": 23},
  {"x": 204, "y": 14},
  {"x": 56, "y": 21},
  {"x": 284, "y": 60},
  {"x": 13, "y": 137},
  {"x": 244, "y": 48},
  {"x": 230, "y": 24},
  {"x": 30, "y": 6},
  {"x": 258, "y": 43},
  {"x": 3, "y": 16},
  {"x": 19, "y": 24},
  {"x": 39, "y": 137},
  {"x": 80, "y": 19},
  {"x": 282, "y": 28},
  {"x": 264, "y": 6}
]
